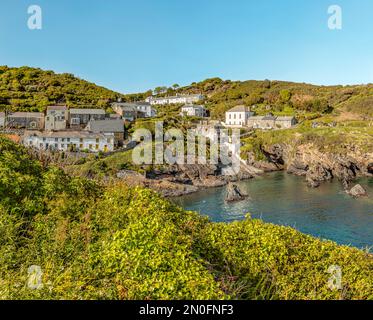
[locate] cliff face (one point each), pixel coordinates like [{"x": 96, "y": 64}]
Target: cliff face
[{"x": 315, "y": 164}]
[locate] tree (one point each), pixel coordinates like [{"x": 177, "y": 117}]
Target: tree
[{"x": 285, "y": 95}]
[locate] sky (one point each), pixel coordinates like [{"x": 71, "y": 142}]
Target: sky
[{"x": 133, "y": 46}]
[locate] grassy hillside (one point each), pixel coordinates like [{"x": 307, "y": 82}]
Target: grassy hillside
[
  {"x": 30, "y": 89},
  {"x": 285, "y": 98},
  {"x": 94, "y": 242},
  {"x": 33, "y": 89}
]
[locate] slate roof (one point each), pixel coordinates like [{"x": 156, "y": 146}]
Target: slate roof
[
  {"x": 240, "y": 108},
  {"x": 108, "y": 125},
  {"x": 87, "y": 111},
  {"x": 26, "y": 115}
]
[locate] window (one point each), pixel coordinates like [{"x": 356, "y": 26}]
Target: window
[
  {"x": 68, "y": 139},
  {"x": 81, "y": 146},
  {"x": 234, "y": 116},
  {"x": 90, "y": 146},
  {"x": 81, "y": 140},
  {"x": 75, "y": 121},
  {"x": 97, "y": 140},
  {"x": 56, "y": 139},
  {"x": 97, "y": 146}
]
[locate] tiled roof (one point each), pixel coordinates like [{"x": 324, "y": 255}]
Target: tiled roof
[
  {"x": 26, "y": 115},
  {"x": 64, "y": 134},
  {"x": 285, "y": 118},
  {"x": 193, "y": 106},
  {"x": 110, "y": 125},
  {"x": 87, "y": 111},
  {"x": 57, "y": 108},
  {"x": 240, "y": 108},
  {"x": 132, "y": 104},
  {"x": 176, "y": 97}
]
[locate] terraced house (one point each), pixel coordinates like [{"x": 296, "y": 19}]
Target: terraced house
[
  {"x": 25, "y": 120},
  {"x": 56, "y": 118},
  {"x": 131, "y": 111},
  {"x": 178, "y": 99},
  {"x": 193, "y": 111},
  {"x": 81, "y": 117},
  {"x": 108, "y": 126},
  {"x": 69, "y": 141}
]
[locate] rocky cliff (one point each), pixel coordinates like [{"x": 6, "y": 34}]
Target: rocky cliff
[{"x": 317, "y": 165}]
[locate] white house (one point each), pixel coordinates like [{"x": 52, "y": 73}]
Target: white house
[
  {"x": 193, "y": 111},
  {"x": 56, "y": 118},
  {"x": 238, "y": 116},
  {"x": 178, "y": 99},
  {"x": 69, "y": 140}
]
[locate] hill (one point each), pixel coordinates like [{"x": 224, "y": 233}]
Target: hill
[
  {"x": 116, "y": 242},
  {"x": 31, "y": 89},
  {"x": 282, "y": 97}
]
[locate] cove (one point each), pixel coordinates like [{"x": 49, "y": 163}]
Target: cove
[{"x": 283, "y": 199}]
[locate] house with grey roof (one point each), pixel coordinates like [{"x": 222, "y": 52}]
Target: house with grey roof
[
  {"x": 237, "y": 116},
  {"x": 56, "y": 118},
  {"x": 81, "y": 117},
  {"x": 25, "y": 120},
  {"x": 69, "y": 140},
  {"x": 128, "y": 110},
  {"x": 270, "y": 121},
  {"x": 193, "y": 111},
  {"x": 108, "y": 126}
]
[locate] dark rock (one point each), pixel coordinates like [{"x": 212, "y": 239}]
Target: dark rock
[
  {"x": 275, "y": 154},
  {"x": 357, "y": 191},
  {"x": 313, "y": 183},
  {"x": 234, "y": 193},
  {"x": 370, "y": 168},
  {"x": 317, "y": 174},
  {"x": 298, "y": 168}
]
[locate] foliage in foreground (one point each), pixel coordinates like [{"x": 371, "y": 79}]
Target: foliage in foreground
[{"x": 120, "y": 243}]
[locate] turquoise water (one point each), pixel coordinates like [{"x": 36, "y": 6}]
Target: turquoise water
[{"x": 326, "y": 212}]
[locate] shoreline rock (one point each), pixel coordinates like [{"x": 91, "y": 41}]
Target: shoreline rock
[
  {"x": 357, "y": 191},
  {"x": 234, "y": 193}
]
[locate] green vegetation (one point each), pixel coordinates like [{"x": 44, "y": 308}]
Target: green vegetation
[
  {"x": 324, "y": 138},
  {"x": 283, "y": 98},
  {"x": 30, "y": 89},
  {"x": 115, "y": 242}
]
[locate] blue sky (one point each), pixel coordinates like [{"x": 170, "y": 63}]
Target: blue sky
[{"x": 132, "y": 46}]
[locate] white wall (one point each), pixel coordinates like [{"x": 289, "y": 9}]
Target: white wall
[{"x": 62, "y": 144}]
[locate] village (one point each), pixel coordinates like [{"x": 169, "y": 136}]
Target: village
[{"x": 93, "y": 130}]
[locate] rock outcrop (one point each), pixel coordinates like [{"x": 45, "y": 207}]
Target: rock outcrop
[
  {"x": 357, "y": 191},
  {"x": 316, "y": 165},
  {"x": 234, "y": 193}
]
